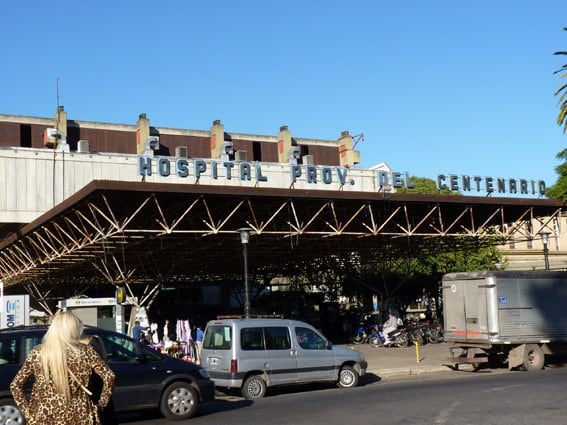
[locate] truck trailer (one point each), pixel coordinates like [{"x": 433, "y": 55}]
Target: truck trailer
[{"x": 505, "y": 317}]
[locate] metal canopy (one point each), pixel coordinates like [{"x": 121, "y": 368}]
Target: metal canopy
[{"x": 143, "y": 233}]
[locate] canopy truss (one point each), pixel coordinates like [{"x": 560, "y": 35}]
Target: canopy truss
[{"x": 147, "y": 234}]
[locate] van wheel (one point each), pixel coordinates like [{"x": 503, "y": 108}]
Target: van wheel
[
  {"x": 254, "y": 388},
  {"x": 348, "y": 377},
  {"x": 534, "y": 359},
  {"x": 179, "y": 401}
]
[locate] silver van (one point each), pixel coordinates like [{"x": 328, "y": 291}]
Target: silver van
[{"x": 253, "y": 354}]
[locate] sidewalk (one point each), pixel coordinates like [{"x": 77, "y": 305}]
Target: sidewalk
[{"x": 394, "y": 361}]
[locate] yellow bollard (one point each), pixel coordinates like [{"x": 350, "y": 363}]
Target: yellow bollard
[{"x": 417, "y": 352}]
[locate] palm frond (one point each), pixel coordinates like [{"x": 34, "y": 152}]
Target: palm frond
[{"x": 560, "y": 89}]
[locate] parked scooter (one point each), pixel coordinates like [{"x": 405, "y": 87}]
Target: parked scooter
[
  {"x": 397, "y": 338},
  {"x": 364, "y": 334}
]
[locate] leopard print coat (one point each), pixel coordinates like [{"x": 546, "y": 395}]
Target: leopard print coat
[{"x": 44, "y": 406}]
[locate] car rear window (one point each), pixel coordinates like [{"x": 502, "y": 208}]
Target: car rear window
[{"x": 218, "y": 337}]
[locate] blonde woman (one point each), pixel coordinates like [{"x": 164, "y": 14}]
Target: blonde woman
[{"x": 62, "y": 366}]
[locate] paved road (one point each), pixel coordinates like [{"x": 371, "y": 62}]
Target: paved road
[{"x": 448, "y": 398}]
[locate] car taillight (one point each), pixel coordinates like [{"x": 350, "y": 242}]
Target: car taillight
[{"x": 233, "y": 366}]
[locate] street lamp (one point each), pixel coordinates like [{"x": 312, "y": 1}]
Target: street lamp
[
  {"x": 244, "y": 238},
  {"x": 545, "y": 241}
]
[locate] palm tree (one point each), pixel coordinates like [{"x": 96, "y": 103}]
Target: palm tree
[{"x": 562, "y": 117}]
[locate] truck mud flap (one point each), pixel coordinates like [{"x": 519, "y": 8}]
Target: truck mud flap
[{"x": 516, "y": 356}]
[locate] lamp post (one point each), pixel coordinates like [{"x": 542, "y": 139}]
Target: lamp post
[
  {"x": 244, "y": 238},
  {"x": 545, "y": 241}
]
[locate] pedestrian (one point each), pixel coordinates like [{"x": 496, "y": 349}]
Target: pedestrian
[
  {"x": 166, "y": 332},
  {"x": 61, "y": 368},
  {"x": 198, "y": 343},
  {"x": 137, "y": 331},
  {"x": 154, "y": 333}
]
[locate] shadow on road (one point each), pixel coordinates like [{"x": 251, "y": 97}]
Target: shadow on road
[{"x": 228, "y": 400}]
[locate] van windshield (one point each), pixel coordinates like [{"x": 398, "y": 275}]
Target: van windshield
[{"x": 218, "y": 337}]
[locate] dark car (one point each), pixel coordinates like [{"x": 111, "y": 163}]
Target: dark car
[{"x": 145, "y": 378}]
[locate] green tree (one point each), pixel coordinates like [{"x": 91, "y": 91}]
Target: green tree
[
  {"x": 562, "y": 93},
  {"x": 425, "y": 186},
  {"x": 559, "y": 189}
]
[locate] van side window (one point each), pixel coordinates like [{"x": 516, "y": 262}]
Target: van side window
[
  {"x": 309, "y": 340},
  {"x": 252, "y": 339},
  {"x": 218, "y": 337},
  {"x": 277, "y": 338}
]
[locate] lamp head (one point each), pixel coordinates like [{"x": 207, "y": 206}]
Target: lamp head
[
  {"x": 544, "y": 237},
  {"x": 244, "y": 234}
]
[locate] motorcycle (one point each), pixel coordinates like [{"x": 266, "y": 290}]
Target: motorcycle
[
  {"x": 398, "y": 338},
  {"x": 364, "y": 334}
]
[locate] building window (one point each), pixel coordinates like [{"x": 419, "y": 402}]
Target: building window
[
  {"x": 25, "y": 136},
  {"x": 256, "y": 151}
]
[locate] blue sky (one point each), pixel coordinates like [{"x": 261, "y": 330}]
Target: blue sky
[{"x": 435, "y": 86}]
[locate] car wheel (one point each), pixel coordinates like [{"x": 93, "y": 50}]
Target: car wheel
[
  {"x": 348, "y": 377},
  {"x": 9, "y": 413},
  {"x": 179, "y": 401},
  {"x": 254, "y": 387}
]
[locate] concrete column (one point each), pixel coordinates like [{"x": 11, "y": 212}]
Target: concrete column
[
  {"x": 61, "y": 120},
  {"x": 142, "y": 133},
  {"x": 347, "y": 155},
  {"x": 284, "y": 144},
  {"x": 217, "y": 139}
]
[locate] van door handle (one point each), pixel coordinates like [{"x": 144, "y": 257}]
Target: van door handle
[{"x": 293, "y": 353}]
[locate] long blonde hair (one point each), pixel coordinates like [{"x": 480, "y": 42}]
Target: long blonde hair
[{"x": 64, "y": 332}]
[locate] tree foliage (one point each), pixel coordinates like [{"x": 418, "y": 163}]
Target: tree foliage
[
  {"x": 559, "y": 189},
  {"x": 425, "y": 186},
  {"x": 562, "y": 93}
]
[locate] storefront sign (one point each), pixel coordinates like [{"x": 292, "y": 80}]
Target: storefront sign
[
  {"x": 253, "y": 171},
  {"x": 15, "y": 311},
  {"x": 456, "y": 183},
  {"x": 322, "y": 175}
]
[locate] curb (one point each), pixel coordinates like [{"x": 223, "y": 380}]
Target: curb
[{"x": 408, "y": 371}]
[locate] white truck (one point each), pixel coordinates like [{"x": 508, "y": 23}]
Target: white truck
[{"x": 513, "y": 317}]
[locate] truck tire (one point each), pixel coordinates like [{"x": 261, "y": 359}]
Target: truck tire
[{"x": 534, "y": 359}]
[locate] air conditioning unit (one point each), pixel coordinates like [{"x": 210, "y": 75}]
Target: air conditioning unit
[
  {"x": 53, "y": 137},
  {"x": 307, "y": 160},
  {"x": 241, "y": 156},
  {"x": 181, "y": 152},
  {"x": 83, "y": 146}
]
